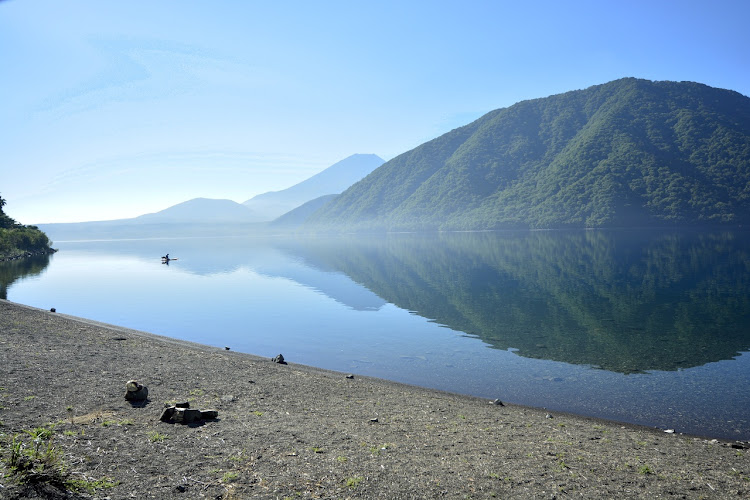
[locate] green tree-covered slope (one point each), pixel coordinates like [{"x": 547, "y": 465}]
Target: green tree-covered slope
[
  {"x": 626, "y": 153},
  {"x": 17, "y": 239}
]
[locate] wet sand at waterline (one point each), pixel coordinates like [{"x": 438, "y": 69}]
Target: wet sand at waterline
[{"x": 287, "y": 430}]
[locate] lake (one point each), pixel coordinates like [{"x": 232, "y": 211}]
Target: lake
[{"x": 646, "y": 327}]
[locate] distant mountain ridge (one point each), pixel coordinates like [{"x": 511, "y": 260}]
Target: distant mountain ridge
[
  {"x": 202, "y": 210},
  {"x": 333, "y": 180},
  {"x": 219, "y": 216},
  {"x": 626, "y": 153},
  {"x": 196, "y": 217}
]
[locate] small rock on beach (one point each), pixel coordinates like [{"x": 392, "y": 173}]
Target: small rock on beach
[{"x": 135, "y": 391}]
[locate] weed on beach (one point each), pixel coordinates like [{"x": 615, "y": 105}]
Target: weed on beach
[
  {"x": 32, "y": 458},
  {"x": 156, "y": 437},
  {"x": 353, "y": 482}
]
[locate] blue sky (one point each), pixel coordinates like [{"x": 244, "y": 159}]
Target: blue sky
[{"x": 115, "y": 109}]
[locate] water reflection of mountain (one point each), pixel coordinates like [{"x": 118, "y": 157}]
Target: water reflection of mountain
[
  {"x": 623, "y": 301},
  {"x": 14, "y": 270},
  {"x": 225, "y": 255}
]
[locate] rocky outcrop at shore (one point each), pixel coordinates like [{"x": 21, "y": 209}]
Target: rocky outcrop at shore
[{"x": 27, "y": 254}]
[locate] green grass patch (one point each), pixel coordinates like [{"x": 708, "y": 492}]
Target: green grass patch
[
  {"x": 353, "y": 482},
  {"x": 33, "y": 458},
  {"x": 645, "y": 469},
  {"x": 156, "y": 437},
  {"x": 228, "y": 477}
]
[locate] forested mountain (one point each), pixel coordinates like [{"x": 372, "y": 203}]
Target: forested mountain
[
  {"x": 626, "y": 153},
  {"x": 332, "y": 180}
]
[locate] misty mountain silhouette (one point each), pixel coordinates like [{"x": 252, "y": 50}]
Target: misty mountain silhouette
[
  {"x": 202, "y": 210},
  {"x": 333, "y": 180},
  {"x": 205, "y": 216}
]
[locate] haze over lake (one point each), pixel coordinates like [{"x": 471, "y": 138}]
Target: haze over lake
[{"x": 648, "y": 327}]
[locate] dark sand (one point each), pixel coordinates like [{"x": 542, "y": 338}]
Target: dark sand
[{"x": 290, "y": 431}]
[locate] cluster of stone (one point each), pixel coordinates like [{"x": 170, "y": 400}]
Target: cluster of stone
[{"x": 181, "y": 413}]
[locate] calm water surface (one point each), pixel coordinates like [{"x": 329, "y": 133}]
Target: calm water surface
[{"x": 643, "y": 327}]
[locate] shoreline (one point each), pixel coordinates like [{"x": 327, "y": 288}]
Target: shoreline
[
  {"x": 314, "y": 370},
  {"x": 296, "y": 430}
]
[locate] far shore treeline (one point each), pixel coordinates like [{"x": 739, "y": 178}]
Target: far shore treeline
[{"x": 17, "y": 240}]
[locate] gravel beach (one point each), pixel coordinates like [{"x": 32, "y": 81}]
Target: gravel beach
[{"x": 292, "y": 431}]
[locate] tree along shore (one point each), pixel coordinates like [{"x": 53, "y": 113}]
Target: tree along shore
[{"x": 18, "y": 241}]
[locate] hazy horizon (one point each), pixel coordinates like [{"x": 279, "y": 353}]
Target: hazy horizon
[{"x": 113, "y": 111}]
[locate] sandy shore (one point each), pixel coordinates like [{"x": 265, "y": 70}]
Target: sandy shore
[{"x": 290, "y": 431}]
